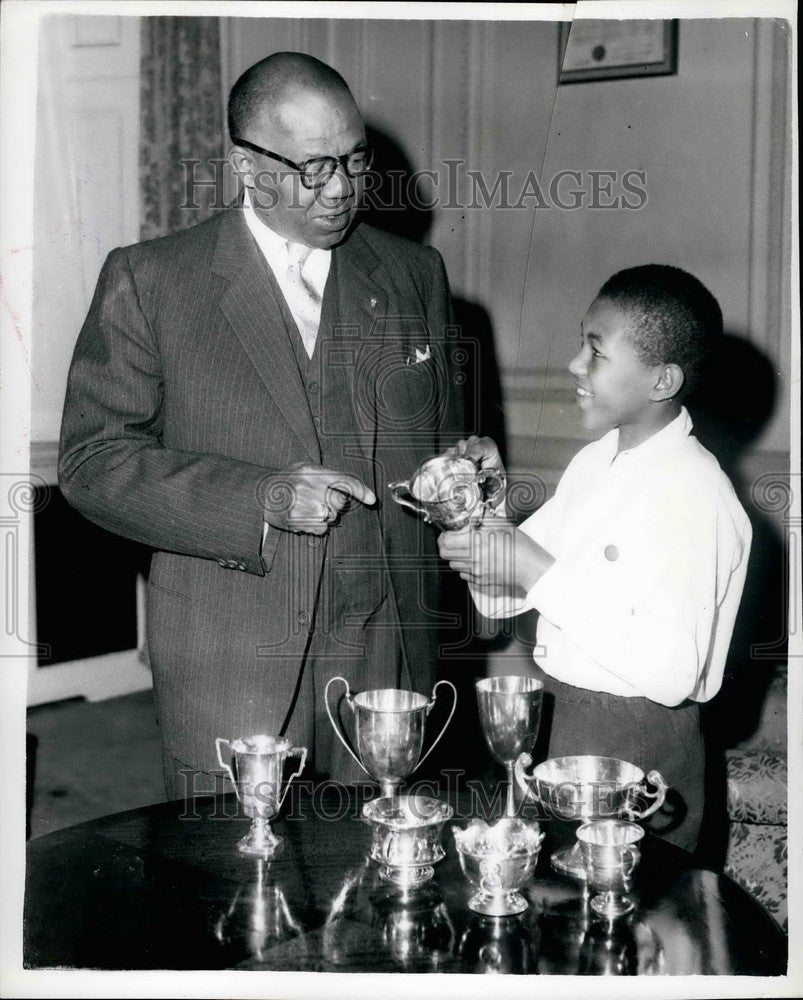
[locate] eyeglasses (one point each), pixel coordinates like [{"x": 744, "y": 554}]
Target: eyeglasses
[{"x": 316, "y": 172}]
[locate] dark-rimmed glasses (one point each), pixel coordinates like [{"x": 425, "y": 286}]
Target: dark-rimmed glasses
[{"x": 317, "y": 171}]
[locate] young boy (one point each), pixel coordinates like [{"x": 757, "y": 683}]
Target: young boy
[{"x": 637, "y": 564}]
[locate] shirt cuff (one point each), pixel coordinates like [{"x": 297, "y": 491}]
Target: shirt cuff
[{"x": 554, "y": 592}]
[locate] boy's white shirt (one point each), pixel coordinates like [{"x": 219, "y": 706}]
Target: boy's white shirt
[{"x": 650, "y": 551}]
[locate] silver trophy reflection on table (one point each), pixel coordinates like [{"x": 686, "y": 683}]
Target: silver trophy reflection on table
[
  {"x": 258, "y": 763},
  {"x": 450, "y": 491},
  {"x": 588, "y": 788},
  {"x": 510, "y": 716}
]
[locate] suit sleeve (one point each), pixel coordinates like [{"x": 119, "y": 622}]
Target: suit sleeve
[{"x": 113, "y": 466}]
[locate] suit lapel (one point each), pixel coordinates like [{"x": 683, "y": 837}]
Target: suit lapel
[{"x": 253, "y": 305}]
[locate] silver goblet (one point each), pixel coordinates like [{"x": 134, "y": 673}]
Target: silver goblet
[{"x": 510, "y": 715}]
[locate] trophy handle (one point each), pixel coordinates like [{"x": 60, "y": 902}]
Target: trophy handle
[
  {"x": 226, "y": 767},
  {"x": 496, "y": 477},
  {"x": 334, "y": 724},
  {"x": 399, "y": 490},
  {"x": 430, "y": 705},
  {"x": 655, "y": 778},
  {"x": 293, "y": 753},
  {"x": 525, "y": 781}
]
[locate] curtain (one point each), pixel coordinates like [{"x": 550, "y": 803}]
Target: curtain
[{"x": 182, "y": 138}]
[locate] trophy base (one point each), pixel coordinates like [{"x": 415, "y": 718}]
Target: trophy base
[
  {"x": 569, "y": 862},
  {"x": 505, "y": 904},
  {"x": 260, "y": 841},
  {"x": 405, "y": 876},
  {"x": 612, "y": 905}
]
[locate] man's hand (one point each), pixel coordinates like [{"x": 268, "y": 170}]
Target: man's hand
[
  {"x": 481, "y": 449},
  {"x": 496, "y": 558},
  {"x": 310, "y": 498}
]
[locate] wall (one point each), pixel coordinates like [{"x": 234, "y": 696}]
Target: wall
[{"x": 712, "y": 142}]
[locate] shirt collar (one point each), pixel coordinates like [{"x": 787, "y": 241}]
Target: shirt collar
[
  {"x": 665, "y": 440},
  {"x": 273, "y": 246}
]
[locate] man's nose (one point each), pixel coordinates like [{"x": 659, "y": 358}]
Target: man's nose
[{"x": 338, "y": 186}]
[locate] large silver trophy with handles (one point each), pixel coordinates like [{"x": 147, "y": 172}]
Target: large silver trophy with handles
[
  {"x": 450, "y": 491},
  {"x": 389, "y": 730},
  {"x": 258, "y": 763}
]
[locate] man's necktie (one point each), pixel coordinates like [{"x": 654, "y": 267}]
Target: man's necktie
[{"x": 305, "y": 300}]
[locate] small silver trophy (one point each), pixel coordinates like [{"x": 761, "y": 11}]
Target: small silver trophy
[
  {"x": 450, "y": 491},
  {"x": 498, "y": 859},
  {"x": 389, "y": 727},
  {"x": 609, "y": 849},
  {"x": 258, "y": 762},
  {"x": 510, "y": 716}
]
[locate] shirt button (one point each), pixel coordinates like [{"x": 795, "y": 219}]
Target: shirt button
[
  {"x": 232, "y": 564},
  {"x": 222, "y": 562},
  {"x": 313, "y": 541},
  {"x": 240, "y": 565},
  {"x": 313, "y": 386},
  {"x": 303, "y": 618}
]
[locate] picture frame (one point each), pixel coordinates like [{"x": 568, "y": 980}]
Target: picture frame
[{"x": 594, "y": 49}]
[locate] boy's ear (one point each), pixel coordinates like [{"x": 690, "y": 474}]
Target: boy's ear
[{"x": 669, "y": 383}]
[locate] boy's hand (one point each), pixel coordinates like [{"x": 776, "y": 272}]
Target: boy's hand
[
  {"x": 496, "y": 558},
  {"x": 481, "y": 449}
]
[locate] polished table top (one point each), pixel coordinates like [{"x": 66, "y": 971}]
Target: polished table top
[{"x": 165, "y": 888}]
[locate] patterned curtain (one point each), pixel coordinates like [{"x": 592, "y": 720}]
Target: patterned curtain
[{"x": 182, "y": 135}]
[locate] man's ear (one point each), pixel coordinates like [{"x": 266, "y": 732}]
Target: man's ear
[
  {"x": 669, "y": 384},
  {"x": 241, "y": 165}
]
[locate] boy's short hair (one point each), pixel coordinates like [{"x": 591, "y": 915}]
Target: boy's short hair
[{"x": 675, "y": 319}]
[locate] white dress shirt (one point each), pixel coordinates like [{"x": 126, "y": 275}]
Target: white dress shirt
[
  {"x": 275, "y": 251},
  {"x": 650, "y": 550}
]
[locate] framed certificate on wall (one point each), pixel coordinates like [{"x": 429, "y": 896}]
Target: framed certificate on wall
[{"x": 609, "y": 50}]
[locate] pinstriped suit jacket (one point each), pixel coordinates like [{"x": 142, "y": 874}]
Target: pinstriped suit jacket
[{"x": 184, "y": 393}]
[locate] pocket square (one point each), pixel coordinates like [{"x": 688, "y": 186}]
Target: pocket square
[{"x": 421, "y": 354}]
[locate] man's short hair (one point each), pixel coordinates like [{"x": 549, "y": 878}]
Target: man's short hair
[
  {"x": 674, "y": 318},
  {"x": 263, "y": 85}
]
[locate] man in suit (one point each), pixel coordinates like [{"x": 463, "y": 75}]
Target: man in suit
[{"x": 240, "y": 396}]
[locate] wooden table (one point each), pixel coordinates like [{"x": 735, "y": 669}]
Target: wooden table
[{"x": 165, "y": 888}]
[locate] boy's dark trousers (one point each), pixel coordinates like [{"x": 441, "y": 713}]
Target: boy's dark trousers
[{"x": 649, "y": 735}]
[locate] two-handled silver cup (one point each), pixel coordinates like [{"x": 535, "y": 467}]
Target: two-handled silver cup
[
  {"x": 258, "y": 763},
  {"x": 450, "y": 491},
  {"x": 389, "y": 730},
  {"x": 588, "y": 787}
]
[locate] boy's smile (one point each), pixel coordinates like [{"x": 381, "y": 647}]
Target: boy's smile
[{"x": 615, "y": 388}]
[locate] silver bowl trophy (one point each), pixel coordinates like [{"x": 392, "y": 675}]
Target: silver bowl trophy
[
  {"x": 588, "y": 788},
  {"x": 510, "y": 715},
  {"x": 609, "y": 849},
  {"x": 450, "y": 491},
  {"x": 498, "y": 860},
  {"x": 389, "y": 730},
  {"x": 406, "y": 837},
  {"x": 258, "y": 763}
]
